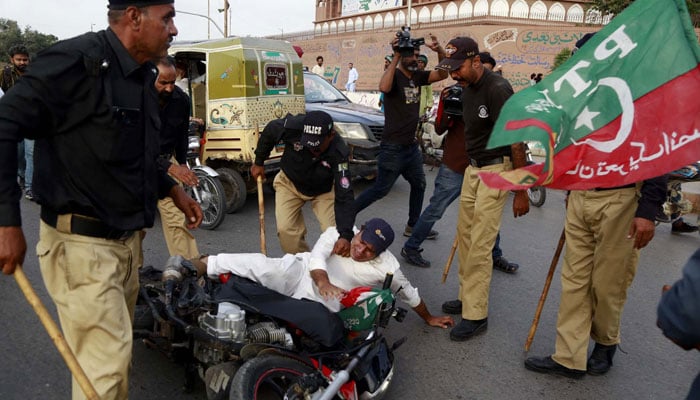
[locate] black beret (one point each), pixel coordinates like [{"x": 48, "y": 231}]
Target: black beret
[{"x": 123, "y": 4}]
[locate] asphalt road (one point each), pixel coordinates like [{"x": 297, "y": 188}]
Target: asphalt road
[{"x": 429, "y": 365}]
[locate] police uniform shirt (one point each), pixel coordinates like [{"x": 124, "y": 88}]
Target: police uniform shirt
[
  {"x": 481, "y": 104},
  {"x": 175, "y": 119},
  {"x": 94, "y": 114},
  {"x": 311, "y": 175}
]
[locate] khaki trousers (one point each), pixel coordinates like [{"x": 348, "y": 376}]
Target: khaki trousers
[
  {"x": 291, "y": 228},
  {"x": 179, "y": 239},
  {"x": 94, "y": 284},
  {"x": 599, "y": 265},
  {"x": 480, "y": 211}
]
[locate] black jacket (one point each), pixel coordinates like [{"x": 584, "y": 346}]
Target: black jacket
[
  {"x": 312, "y": 176},
  {"x": 94, "y": 114}
]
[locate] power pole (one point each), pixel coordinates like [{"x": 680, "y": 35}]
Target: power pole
[{"x": 226, "y": 6}]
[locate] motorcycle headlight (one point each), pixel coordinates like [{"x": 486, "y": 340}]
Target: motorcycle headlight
[{"x": 351, "y": 130}]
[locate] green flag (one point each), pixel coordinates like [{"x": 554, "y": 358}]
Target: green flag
[{"x": 624, "y": 108}]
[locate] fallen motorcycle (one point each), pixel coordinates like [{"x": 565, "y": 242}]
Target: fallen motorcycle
[{"x": 249, "y": 342}]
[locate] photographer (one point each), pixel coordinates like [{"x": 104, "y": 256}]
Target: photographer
[{"x": 399, "y": 153}]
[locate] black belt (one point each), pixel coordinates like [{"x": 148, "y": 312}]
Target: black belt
[
  {"x": 631, "y": 185},
  {"x": 85, "y": 226},
  {"x": 485, "y": 163}
]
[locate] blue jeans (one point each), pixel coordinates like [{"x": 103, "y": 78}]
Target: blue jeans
[
  {"x": 29, "y": 159},
  {"x": 20, "y": 159},
  {"x": 396, "y": 160},
  {"x": 448, "y": 186}
]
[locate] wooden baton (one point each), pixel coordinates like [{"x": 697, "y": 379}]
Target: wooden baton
[
  {"x": 261, "y": 210},
  {"x": 55, "y": 334},
  {"x": 449, "y": 260},
  {"x": 545, "y": 290}
]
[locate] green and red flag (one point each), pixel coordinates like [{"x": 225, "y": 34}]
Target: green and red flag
[{"x": 625, "y": 107}]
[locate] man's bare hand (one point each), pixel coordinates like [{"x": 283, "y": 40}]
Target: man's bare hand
[
  {"x": 13, "y": 248},
  {"x": 329, "y": 291},
  {"x": 342, "y": 248},
  {"x": 642, "y": 231},
  {"x": 440, "y": 322},
  {"x": 521, "y": 203},
  {"x": 183, "y": 174},
  {"x": 257, "y": 171},
  {"x": 186, "y": 204},
  {"x": 434, "y": 45}
]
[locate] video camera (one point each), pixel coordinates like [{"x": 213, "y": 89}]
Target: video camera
[
  {"x": 452, "y": 102},
  {"x": 406, "y": 45}
]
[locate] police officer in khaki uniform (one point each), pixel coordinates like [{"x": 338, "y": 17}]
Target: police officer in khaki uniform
[
  {"x": 605, "y": 228},
  {"x": 174, "y": 119},
  {"x": 314, "y": 167},
  {"x": 91, "y": 105}
]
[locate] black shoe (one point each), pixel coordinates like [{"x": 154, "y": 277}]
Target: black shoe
[
  {"x": 29, "y": 195},
  {"x": 601, "y": 358},
  {"x": 452, "y": 307},
  {"x": 502, "y": 264},
  {"x": 468, "y": 328},
  {"x": 413, "y": 257},
  {"x": 680, "y": 226},
  {"x": 409, "y": 229},
  {"x": 545, "y": 365}
]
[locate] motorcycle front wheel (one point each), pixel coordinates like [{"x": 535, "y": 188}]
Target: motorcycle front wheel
[
  {"x": 212, "y": 199},
  {"x": 267, "y": 377},
  {"x": 537, "y": 195}
]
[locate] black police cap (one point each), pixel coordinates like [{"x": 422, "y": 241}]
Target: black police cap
[{"x": 123, "y": 4}]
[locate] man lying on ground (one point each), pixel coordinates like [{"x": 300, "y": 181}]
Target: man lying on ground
[{"x": 326, "y": 277}]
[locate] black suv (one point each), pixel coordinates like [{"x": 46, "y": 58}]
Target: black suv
[{"x": 359, "y": 125}]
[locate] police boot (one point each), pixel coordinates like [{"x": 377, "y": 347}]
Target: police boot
[{"x": 601, "y": 358}]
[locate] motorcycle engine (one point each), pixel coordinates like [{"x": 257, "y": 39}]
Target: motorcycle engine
[{"x": 229, "y": 325}]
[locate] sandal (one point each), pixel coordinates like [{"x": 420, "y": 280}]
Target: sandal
[{"x": 502, "y": 264}]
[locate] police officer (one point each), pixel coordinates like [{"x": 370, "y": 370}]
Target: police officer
[
  {"x": 174, "y": 132},
  {"x": 314, "y": 167},
  {"x": 91, "y": 105}
]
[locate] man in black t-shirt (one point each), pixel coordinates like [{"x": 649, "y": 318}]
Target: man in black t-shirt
[{"x": 399, "y": 153}]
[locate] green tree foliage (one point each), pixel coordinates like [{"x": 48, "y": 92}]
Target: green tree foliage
[
  {"x": 561, "y": 58},
  {"x": 616, "y": 6},
  {"x": 11, "y": 34}
]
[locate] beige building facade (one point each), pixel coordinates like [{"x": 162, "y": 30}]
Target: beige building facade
[{"x": 523, "y": 36}]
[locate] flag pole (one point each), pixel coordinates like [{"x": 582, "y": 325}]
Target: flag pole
[
  {"x": 261, "y": 206},
  {"x": 545, "y": 290},
  {"x": 55, "y": 334}
]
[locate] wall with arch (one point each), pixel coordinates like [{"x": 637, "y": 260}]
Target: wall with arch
[
  {"x": 444, "y": 11},
  {"x": 520, "y": 49}
]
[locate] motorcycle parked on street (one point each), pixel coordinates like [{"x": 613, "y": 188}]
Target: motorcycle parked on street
[
  {"x": 209, "y": 193},
  {"x": 676, "y": 204},
  {"x": 249, "y": 342},
  {"x": 536, "y": 194},
  {"x": 431, "y": 143}
]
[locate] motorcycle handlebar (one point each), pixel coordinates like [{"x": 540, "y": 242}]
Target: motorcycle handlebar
[{"x": 387, "y": 280}]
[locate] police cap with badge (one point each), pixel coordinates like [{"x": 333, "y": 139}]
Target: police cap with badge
[{"x": 123, "y": 4}]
